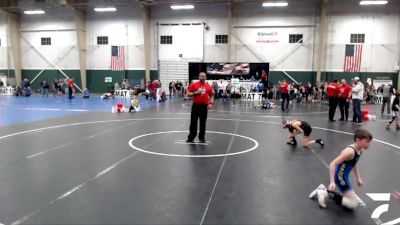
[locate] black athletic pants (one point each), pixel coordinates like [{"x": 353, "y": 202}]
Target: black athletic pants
[
  {"x": 70, "y": 92},
  {"x": 333, "y": 103},
  {"x": 198, "y": 111},
  {"x": 285, "y": 97},
  {"x": 344, "y": 108}
]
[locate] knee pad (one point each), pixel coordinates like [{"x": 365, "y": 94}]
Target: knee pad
[{"x": 350, "y": 203}]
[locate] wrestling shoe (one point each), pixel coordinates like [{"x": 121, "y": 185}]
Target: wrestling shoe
[
  {"x": 322, "y": 198},
  {"x": 320, "y": 142},
  {"x": 292, "y": 142},
  {"x": 313, "y": 194}
]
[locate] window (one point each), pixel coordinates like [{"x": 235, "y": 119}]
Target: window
[
  {"x": 102, "y": 40},
  {"x": 166, "y": 40},
  {"x": 46, "y": 41},
  {"x": 295, "y": 38},
  {"x": 357, "y": 38},
  {"x": 221, "y": 39}
]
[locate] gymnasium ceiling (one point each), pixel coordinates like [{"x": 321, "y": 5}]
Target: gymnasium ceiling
[{"x": 20, "y": 5}]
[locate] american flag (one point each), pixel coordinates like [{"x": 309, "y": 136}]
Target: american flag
[
  {"x": 117, "y": 58},
  {"x": 352, "y": 58}
]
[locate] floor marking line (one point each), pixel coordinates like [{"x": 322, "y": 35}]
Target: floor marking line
[
  {"x": 83, "y": 184},
  {"x": 219, "y": 174},
  {"x": 81, "y": 140},
  {"x": 189, "y": 143},
  {"x": 256, "y": 144},
  {"x": 255, "y": 113},
  {"x": 38, "y": 130},
  {"x": 124, "y": 120},
  {"x": 66, "y": 144}
]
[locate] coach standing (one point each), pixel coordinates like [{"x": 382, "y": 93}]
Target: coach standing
[
  {"x": 333, "y": 91},
  {"x": 285, "y": 95},
  {"x": 344, "y": 100},
  {"x": 203, "y": 98}
]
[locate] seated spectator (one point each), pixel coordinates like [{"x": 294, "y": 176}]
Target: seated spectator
[
  {"x": 86, "y": 94},
  {"x": 163, "y": 96},
  {"x": 107, "y": 96},
  {"x": 225, "y": 96},
  {"x": 135, "y": 104}
]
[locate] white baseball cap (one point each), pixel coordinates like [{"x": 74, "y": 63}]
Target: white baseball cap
[{"x": 356, "y": 78}]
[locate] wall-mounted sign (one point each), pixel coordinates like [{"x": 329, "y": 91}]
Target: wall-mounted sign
[
  {"x": 108, "y": 79},
  {"x": 252, "y": 96},
  {"x": 123, "y": 93},
  {"x": 267, "y": 37}
]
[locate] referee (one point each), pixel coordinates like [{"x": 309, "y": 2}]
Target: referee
[{"x": 203, "y": 98}]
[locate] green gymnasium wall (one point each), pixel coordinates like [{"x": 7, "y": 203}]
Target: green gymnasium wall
[
  {"x": 303, "y": 77},
  {"x": 49, "y": 76},
  {"x": 96, "y": 84},
  {"x": 95, "y": 79},
  {"x": 8, "y": 72}
]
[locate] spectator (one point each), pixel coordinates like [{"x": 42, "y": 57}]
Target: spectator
[
  {"x": 308, "y": 91},
  {"x": 156, "y": 86},
  {"x": 148, "y": 88},
  {"x": 357, "y": 96},
  {"x": 171, "y": 88},
  {"x": 178, "y": 87},
  {"x": 215, "y": 88},
  {"x": 229, "y": 88},
  {"x": 220, "y": 88},
  {"x": 86, "y": 94},
  {"x": 55, "y": 87},
  {"x": 45, "y": 89},
  {"x": 116, "y": 86},
  {"x": 316, "y": 92},
  {"x": 1, "y": 83},
  {"x": 387, "y": 92},
  {"x": 135, "y": 104},
  {"x": 70, "y": 87},
  {"x": 322, "y": 91}
]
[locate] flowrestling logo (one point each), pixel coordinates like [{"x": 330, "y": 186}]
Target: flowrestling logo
[{"x": 383, "y": 197}]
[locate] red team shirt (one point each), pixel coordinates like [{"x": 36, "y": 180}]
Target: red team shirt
[
  {"x": 333, "y": 89},
  {"x": 202, "y": 98},
  {"x": 344, "y": 91},
  {"x": 71, "y": 83},
  {"x": 284, "y": 88}
]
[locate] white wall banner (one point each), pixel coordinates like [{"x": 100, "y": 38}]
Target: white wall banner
[{"x": 267, "y": 37}]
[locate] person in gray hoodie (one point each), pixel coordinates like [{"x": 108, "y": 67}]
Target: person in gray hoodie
[{"x": 387, "y": 91}]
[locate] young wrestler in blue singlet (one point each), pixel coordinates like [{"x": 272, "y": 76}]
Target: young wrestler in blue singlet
[{"x": 339, "y": 172}]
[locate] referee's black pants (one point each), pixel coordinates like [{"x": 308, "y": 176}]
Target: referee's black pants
[
  {"x": 344, "y": 108},
  {"x": 333, "y": 103},
  {"x": 198, "y": 111}
]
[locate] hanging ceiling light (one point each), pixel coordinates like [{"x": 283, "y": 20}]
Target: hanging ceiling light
[
  {"x": 34, "y": 12},
  {"x": 275, "y": 4}
]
